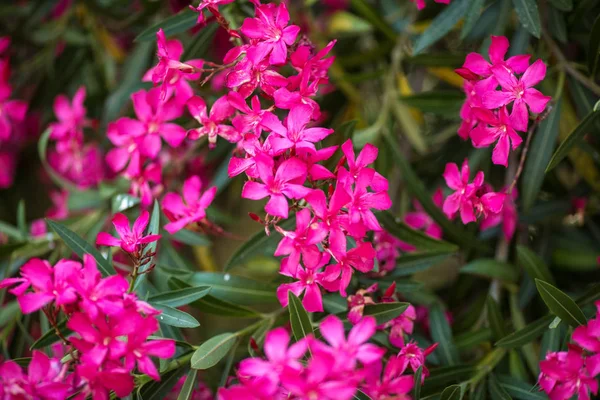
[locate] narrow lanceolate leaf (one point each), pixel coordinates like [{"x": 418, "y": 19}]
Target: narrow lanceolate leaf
[
  {"x": 594, "y": 48},
  {"x": 494, "y": 317},
  {"x": 190, "y": 238},
  {"x": 189, "y": 385},
  {"x": 540, "y": 152},
  {"x": 385, "y": 312},
  {"x": 442, "y": 334},
  {"x": 11, "y": 231},
  {"x": 417, "y": 387},
  {"x": 180, "y": 297},
  {"x": 441, "y": 25},
  {"x": 529, "y": 16},
  {"x": 175, "y": 24},
  {"x": 497, "y": 392},
  {"x": 158, "y": 390},
  {"x": 417, "y": 189},
  {"x": 259, "y": 244},
  {"x": 454, "y": 392},
  {"x": 122, "y": 202},
  {"x": 213, "y": 350},
  {"x": 360, "y": 395},
  {"x": 533, "y": 264},
  {"x": 490, "y": 268},
  {"x": 519, "y": 389},
  {"x": 81, "y": 247},
  {"x": 560, "y": 304},
  {"x": 299, "y": 318},
  {"x": 408, "y": 264},
  {"x": 51, "y": 337},
  {"x": 562, "y": 5},
  {"x": 235, "y": 289},
  {"x": 21, "y": 218},
  {"x": 174, "y": 317},
  {"x": 471, "y": 17},
  {"x": 527, "y": 334},
  {"x": 576, "y": 136},
  {"x": 416, "y": 238}
]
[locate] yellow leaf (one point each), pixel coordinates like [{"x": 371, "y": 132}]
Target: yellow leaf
[
  {"x": 405, "y": 90},
  {"x": 205, "y": 258},
  {"x": 447, "y": 75}
]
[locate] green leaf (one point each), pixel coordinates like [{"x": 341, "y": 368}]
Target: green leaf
[
  {"x": 180, "y": 297},
  {"x": 557, "y": 25},
  {"x": 518, "y": 389},
  {"x": 213, "y": 350},
  {"x": 562, "y": 5},
  {"x": 8, "y": 312},
  {"x": 497, "y": 392},
  {"x": 594, "y": 48},
  {"x": 527, "y": 334},
  {"x": 201, "y": 43},
  {"x": 533, "y": 264},
  {"x": 360, "y": 395},
  {"x": 158, "y": 390},
  {"x": 471, "y": 18},
  {"x": 410, "y": 263},
  {"x": 552, "y": 338},
  {"x": 441, "y": 333},
  {"x": 560, "y": 304},
  {"x": 190, "y": 238},
  {"x": 417, "y": 387},
  {"x": 153, "y": 229},
  {"x": 446, "y": 103},
  {"x": 22, "y": 219},
  {"x": 494, "y": 317},
  {"x": 471, "y": 339},
  {"x": 81, "y": 247},
  {"x": 122, "y": 202},
  {"x": 529, "y": 16},
  {"x": 415, "y": 186},
  {"x": 440, "y": 377},
  {"x": 454, "y": 392},
  {"x": 540, "y": 152},
  {"x": 187, "y": 390},
  {"x": 346, "y": 130},
  {"x": 259, "y": 243},
  {"x": 299, "y": 318},
  {"x": 236, "y": 289},
  {"x": 491, "y": 268},
  {"x": 365, "y": 10},
  {"x": 411, "y": 236},
  {"x": 175, "y": 24},
  {"x": 42, "y": 151},
  {"x": 212, "y": 305},
  {"x": 11, "y": 231},
  {"x": 576, "y": 136},
  {"x": 174, "y": 317},
  {"x": 51, "y": 337},
  {"x": 441, "y": 25},
  {"x": 385, "y": 312}
]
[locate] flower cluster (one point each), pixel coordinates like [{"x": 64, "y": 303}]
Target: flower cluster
[
  {"x": 337, "y": 366},
  {"x": 565, "y": 374},
  {"x": 12, "y": 116},
  {"x": 499, "y": 94},
  {"x": 111, "y": 329}
]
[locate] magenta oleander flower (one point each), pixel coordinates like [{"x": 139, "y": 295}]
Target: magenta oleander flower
[
  {"x": 588, "y": 336},
  {"x": 295, "y": 135},
  {"x": 413, "y": 356},
  {"x": 11, "y": 111},
  {"x": 330, "y": 214},
  {"x": 356, "y": 165},
  {"x": 495, "y": 127},
  {"x": 190, "y": 208},
  {"x": 131, "y": 240},
  {"x": 246, "y": 76},
  {"x": 401, "y": 325},
  {"x": 310, "y": 279},
  {"x": 357, "y": 302},
  {"x": 508, "y": 217},
  {"x": 280, "y": 357},
  {"x": 316, "y": 65},
  {"x": 519, "y": 92},
  {"x": 45, "y": 379},
  {"x": 466, "y": 197},
  {"x": 420, "y": 220},
  {"x": 499, "y": 46},
  {"x": 285, "y": 183},
  {"x": 147, "y": 185},
  {"x": 302, "y": 242},
  {"x": 212, "y": 124},
  {"x": 48, "y": 283},
  {"x": 272, "y": 33},
  {"x": 304, "y": 95},
  {"x": 251, "y": 117},
  {"x": 362, "y": 258},
  {"x": 79, "y": 163},
  {"x": 349, "y": 351},
  {"x": 211, "y": 4},
  {"x": 391, "y": 384},
  {"x": 565, "y": 374},
  {"x": 71, "y": 117}
]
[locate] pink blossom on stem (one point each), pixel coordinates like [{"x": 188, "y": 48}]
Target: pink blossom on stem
[
  {"x": 212, "y": 124},
  {"x": 499, "y": 46},
  {"x": 71, "y": 117},
  {"x": 565, "y": 374},
  {"x": 130, "y": 240},
  {"x": 495, "y": 127},
  {"x": 391, "y": 384},
  {"x": 11, "y": 111},
  {"x": 211, "y": 4},
  {"x": 508, "y": 217},
  {"x": 190, "y": 208}
]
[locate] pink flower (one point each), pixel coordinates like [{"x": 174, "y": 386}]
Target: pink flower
[
  {"x": 211, "y": 4},
  {"x": 45, "y": 379},
  {"x": 11, "y": 111},
  {"x": 212, "y": 124},
  {"x": 302, "y": 242},
  {"x": 250, "y": 120},
  {"x": 466, "y": 197},
  {"x": 280, "y": 357},
  {"x": 588, "y": 336},
  {"x": 401, "y": 325},
  {"x": 285, "y": 182},
  {"x": 495, "y": 127},
  {"x": 147, "y": 185},
  {"x": 128, "y": 137},
  {"x": 414, "y": 356},
  {"x": 71, "y": 117},
  {"x": 316, "y": 65},
  {"x": 357, "y": 302},
  {"x": 348, "y": 351},
  {"x": 295, "y": 135},
  {"x": 246, "y": 76},
  {"x": 389, "y": 385},
  {"x": 362, "y": 258},
  {"x": 330, "y": 214},
  {"x": 508, "y": 217},
  {"x": 130, "y": 240},
  {"x": 520, "y": 91},
  {"x": 81, "y": 164},
  {"x": 420, "y": 220},
  {"x": 8, "y": 166},
  {"x": 565, "y": 374},
  {"x": 356, "y": 165},
  {"x": 270, "y": 30},
  {"x": 286, "y": 99},
  {"x": 101, "y": 380},
  {"x": 497, "y": 51},
  {"x": 49, "y": 284},
  {"x": 421, "y": 3},
  {"x": 309, "y": 280},
  {"x": 191, "y": 208},
  {"x": 59, "y": 209}
]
